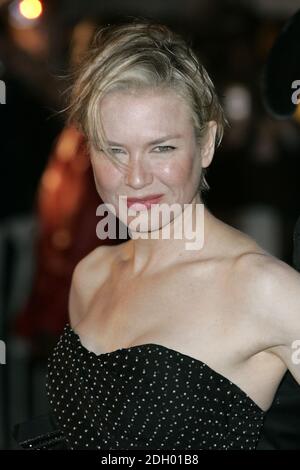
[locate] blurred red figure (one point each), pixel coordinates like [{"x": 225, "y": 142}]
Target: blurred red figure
[{"x": 66, "y": 207}]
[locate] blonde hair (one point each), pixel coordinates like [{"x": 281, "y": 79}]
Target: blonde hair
[{"x": 141, "y": 55}]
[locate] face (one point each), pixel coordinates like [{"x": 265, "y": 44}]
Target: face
[{"x": 152, "y": 132}]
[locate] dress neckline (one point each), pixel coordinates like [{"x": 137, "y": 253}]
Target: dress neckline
[{"x": 168, "y": 350}]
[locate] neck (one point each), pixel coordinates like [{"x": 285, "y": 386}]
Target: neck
[{"x": 155, "y": 252}]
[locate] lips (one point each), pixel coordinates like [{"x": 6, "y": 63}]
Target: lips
[{"x": 141, "y": 203}]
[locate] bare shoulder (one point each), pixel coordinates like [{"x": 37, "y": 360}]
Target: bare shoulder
[
  {"x": 272, "y": 284},
  {"x": 265, "y": 271},
  {"x": 87, "y": 276},
  {"x": 87, "y": 264},
  {"x": 272, "y": 289}
]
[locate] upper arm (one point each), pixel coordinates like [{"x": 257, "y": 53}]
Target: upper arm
[
  {"x": 84, "y": 282},
  {"x": 281, "y": 290},
  {"x": 75, "y": 304}
]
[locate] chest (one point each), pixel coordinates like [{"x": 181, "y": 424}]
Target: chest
[
  {"x": 185, "y": 309},
  {"x": 146, "y": 396},
  {"x": 202, "y": 315}
]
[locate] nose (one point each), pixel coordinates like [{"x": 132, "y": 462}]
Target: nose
[{"x": 138, "y": 175}]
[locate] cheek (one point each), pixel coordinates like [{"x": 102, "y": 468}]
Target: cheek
[
  {"x": 106, "y": 174},
  {"x": 179, "y": 172}
]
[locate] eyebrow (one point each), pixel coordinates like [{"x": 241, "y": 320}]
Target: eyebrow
[{"x": 153, "y": 142}]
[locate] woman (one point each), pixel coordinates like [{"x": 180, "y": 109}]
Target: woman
[{"x": 168, "y": 346}]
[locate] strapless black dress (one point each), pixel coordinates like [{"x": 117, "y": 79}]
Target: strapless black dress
[{"x": 146, "y": 397}]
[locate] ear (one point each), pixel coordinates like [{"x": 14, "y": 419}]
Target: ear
[{"x": 208, "y": 145}]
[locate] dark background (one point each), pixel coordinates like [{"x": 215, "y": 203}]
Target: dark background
[{"x": 254, "y": 176}]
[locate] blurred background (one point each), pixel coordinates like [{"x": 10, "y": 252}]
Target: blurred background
[{"x": 48, "y": 200}]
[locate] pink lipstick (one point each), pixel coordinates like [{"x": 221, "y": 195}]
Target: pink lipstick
[{"x": 143, "y": 202}]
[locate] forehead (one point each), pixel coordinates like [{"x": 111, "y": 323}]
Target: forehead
[{"x": 154, "y": 111}]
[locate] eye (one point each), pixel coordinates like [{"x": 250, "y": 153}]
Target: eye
[
  {"x": 117, "y": 150},
  {"x": 165, "y": 148}
]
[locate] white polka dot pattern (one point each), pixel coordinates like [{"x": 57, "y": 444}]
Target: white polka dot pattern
[{"x": 146, "y": 397}]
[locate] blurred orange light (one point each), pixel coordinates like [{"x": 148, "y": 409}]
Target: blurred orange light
[{"x": 30, "y": 9}]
